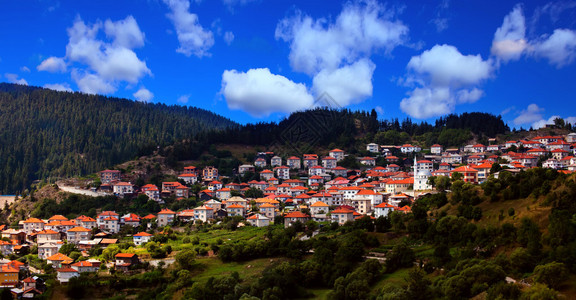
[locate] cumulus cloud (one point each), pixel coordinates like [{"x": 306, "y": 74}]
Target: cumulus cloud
[
  {"x": 25, "y": 69},
  {"x": 13, "y": 78},
  {"x": 531, "y": 114},
  {"x": 193, "y": 38},
  {"x": 107, "y": 62},
  {"x": 52, "y": 64},
  {"x": 445, "y": 65},
  {"x": 91, "y": 83},
  {"x": 346, "y": 85},
  {"x": 559, "y": 48},
  {"x": 61, "y": 87},
  {"x": 443, "y": 77},
  {"x": 183, "y": 99},
  {"x": 228, "y": 37},
  {"x": 359, "y": 30},
  {"x": 143, "y": 95},
  {"x": 509, "y": 40},
  {"x": 261, "y": 93}
]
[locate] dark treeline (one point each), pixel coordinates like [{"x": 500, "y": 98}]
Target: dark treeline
[
  {"x": 343, "y": 128},
  {"x": 44, "y": 133}
]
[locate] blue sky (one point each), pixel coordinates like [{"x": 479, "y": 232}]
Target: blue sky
[{"x": 257, "y": 60}]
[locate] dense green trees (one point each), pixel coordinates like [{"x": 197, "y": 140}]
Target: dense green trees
[{"x": 48, "y": 134}]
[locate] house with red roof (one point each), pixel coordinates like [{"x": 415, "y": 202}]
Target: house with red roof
[
  {"x": 295, "y": 216},
  {"x": 368, "y": 161},
  {"x": 383, "y": 209},
  {"x": 469, "y": 174},
  {"x": 282, "y": 172},
  {"x": 189, "y": 178},
  {"x": 407, "y": 148},
  {"x": 84, "y": 266},
  {"x": 123, "y": 261},
  {"x": 122, "y": 188},
  {"x": 64, "y": 275},
  {"x": 293, "y": 162},
  {"x": 399, "y": 185},
  {"x": 165, "y": 217},
  {"x": 86, "y": 222},
  {"x": 337, "y": 154},
  {"x": 141, "y": 238},
  {"x": 258, "y": 220},
  {"x": 260, "y": 162},
  {"x": 203, "y": 213},
  {"x": 33, "y": 225},
  {"x": 310, "y": 160},
  {"x": 342, "y": 215},
  {"x": 77, "y": 234},
  {"x": 58, "y": 260},
  {"x": 266, "y": 175}
]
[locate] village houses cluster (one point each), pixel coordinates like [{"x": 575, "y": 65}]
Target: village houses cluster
[{"x": 327, "y": 192}]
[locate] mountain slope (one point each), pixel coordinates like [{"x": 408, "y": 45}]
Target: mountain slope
[{"x": 44, "y": 133}]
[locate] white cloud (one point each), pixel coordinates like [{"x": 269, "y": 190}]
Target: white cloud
[
  {"x": 359, "y": 30},
  {"x": 125, "y": 33},
  {"x": 13, "y": 78},
  {"x": 61, "y": 87},
  {"x": 228, "y": 37},
  {"x": 183, "y": 99},
  {"x": 193, "y": 38},
  {"x": 509, "y": 40},
  {"x": 346, "y": 85},
  {"x": 108, "y": 63},
  {"x": 444, "y": 65},
  {"x": 428, "y": 102},
  {"x": 261, "y": 93},
  {"x": 507, "y": 110},
  {"x": 469, "y": 96},
  {"x": 379, "y": 110},
  {"x": 559, "y": 48},
  {"x": 91, "y": 83},
  {"x": 143, "y": 95},
  {"x": 531, "y": 114},
  {"x": 52, "y": 64},
  {"x": 25, "y": 69},
  {"x": 443, "y": 77}
]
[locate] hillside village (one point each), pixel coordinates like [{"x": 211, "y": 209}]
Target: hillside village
[{"x": 327, "y": 193}]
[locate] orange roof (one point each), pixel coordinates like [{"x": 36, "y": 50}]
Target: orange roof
[
  {"x": 464, "y": 169},
  {"x": 166, "y": 211},
  {"x": 125, "y": 255},
  {"x": 342, "y": 211},
  {"x": 383, "y": 205},
  {"x": 143, "y": 234},
  {"x": 204, "y": 207},
  {"x": 79, "y": 229},
  {"x": 319, "y": 204},
  {"x": 67, "y": 270},
  {"x": 58, "y": 218},
  {"x": 336, "y": 150},
  {"x": 148, "y": 217},
  {"x": 366, "y": 192},
  {"x": 267, "y": 205},
  {"x": 296, "y": 214},
  {"x": 83, "y": 263},
  {"x": 8, "y": 269},
  {"x": 33, "y": 220},
  {"x": 58, "y": 257},
  {"x": 235, "y": 206},
  {"x": 47, "y": 231}
]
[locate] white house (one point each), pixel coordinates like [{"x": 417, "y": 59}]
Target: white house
[
  {"x": 258, "y": 220},
  {"x": 383, "y": 209},
  {"x": 373, "y": 147},
  {"x": 141, "y": 238}
]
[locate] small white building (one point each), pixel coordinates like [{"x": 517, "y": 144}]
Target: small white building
[
  {"x": 373, "y": 147},
  {"x": 258, "y": 220},
  {"x": 141, "y": 238}
]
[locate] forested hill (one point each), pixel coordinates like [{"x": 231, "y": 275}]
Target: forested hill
[{"x": 45, "y": 133}]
